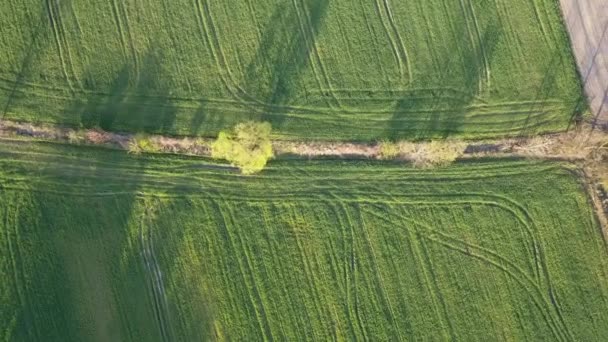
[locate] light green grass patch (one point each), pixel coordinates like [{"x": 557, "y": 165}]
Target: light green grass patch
[
  {"x": 99, "y": 245},
  {"x": 315, "y": 69}
]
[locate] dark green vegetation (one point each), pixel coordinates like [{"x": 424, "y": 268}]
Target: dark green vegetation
[
  {"x": 315, "y": 69},
  {"x": 100, "y": 245}
]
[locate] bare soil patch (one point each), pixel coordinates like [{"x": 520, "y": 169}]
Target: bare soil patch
[{"x": 587, "y": 23}]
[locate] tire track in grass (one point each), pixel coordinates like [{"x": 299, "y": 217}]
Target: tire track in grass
[
  {"x": 383, "y": 9},
  {"x": 535, "y": 294},
  {"x": 155, "y": 278},
  {"x": 61, "y": 31},
  {"x": 209, "y": 31},
  {"x": 482, "y": 49},
  {"x": 379, "y": 277},
  {"x": 416, "y": 253},
  {"x": 308, "y": 272},
  {"x": 252, "y": 290},
  {"x": 399, "y": 39},
  {"x": 463, "y": 7},
  {"x": 119, "y": 29},
  {"x": 276, "y": 254},
  {"x": 308, "y": 32},
  {"x": 348, "y": 264},
  {"x": 337, "y": 117},
  {"x": 353, "y": 270},
  {"x": 348, "y": 270},
  {"x": 179, "y": 62},
  {"x": 372, "y": 33},
  {"x": 493, "y": 258},
  {"x": 427, "y": 264},
  {"x": 205, "y": 26},
  {"x": 23, "y": 302},
  {"x": 540, "y": 22},
  {"x": 131, "y": 44},
  {"x": 52, "y": 18}
]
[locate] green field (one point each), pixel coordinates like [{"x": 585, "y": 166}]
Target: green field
[
  {"x": 98, "y": 245},
  {"x": 316, "y": 69}
]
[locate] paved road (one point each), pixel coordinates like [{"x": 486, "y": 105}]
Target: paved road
[{"x": 587, "y": 22}]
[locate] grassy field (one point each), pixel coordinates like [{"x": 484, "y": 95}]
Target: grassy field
[
  {"x": 98, "y": 245},
  {"x": 316, "y": 69}
]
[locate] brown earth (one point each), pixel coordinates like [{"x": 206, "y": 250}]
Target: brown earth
[{"x": 587, "y": 23}]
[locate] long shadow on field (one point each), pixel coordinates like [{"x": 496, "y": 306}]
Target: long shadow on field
[
  {"x": 34, "y": 46},
  {"x": 137, "y": 103},
  {"x": 547, "y": 90},
  {"x": 284, "y": 53},
  {"x": 81, "y": 255},
  {"x": 442, "y": 112}
]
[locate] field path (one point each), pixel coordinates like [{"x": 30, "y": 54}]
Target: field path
[{"x": 587, "y": 23}]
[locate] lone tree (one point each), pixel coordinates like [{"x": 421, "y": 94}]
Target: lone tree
[{"x": 247, "y": 146}]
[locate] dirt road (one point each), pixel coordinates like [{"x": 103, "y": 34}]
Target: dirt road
[{"x": 587, "y": 22}]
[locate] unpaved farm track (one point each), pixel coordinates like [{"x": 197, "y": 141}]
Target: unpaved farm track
[{"x": 587, "y": 22}]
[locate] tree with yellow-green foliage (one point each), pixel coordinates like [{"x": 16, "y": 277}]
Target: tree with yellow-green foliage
[{"x": 247, "y": 146}]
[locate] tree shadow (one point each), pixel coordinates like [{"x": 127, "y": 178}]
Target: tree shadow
[
  {"x": 40, "y": 34},
  {"x": 137, "y": 103},
  {"x": 442, "y": 112},
  {"x": 284, "y": 52}
]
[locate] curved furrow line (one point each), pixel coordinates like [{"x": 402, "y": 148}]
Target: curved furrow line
[
  {"x": 540, "y": 22},
  {"x": 310, "y": 46},
  {"x": 379, "y": 276},
  {"x": 246, "y": 270},
  {"x": 156, "y": 286},
  {"x": 490, "y": 257},
  {"x": 372, "y": 33},
  {"x": 398, "y": 57},
  {"x": 318, "y": 114},
  {"x": 159, "y": 182},
  {"x": 516, "y": 211},
  {"x": 229, "y": 81},
  {"x": 502, "y": 10},
  {"x": 309, "y": 35},
  {"x": 178, "y": 62},
  {"x": 552, "y": 29},
  {"x": 431, "y": 268},
  {"x": 61, "y": 34},
  {"x": 540, "y": 302},
  {"x": 540, "y": 258},
  {"x": 53, "y": 21},
  {"x": 204, "y": 31},
  {"x": 119, "y": 29},
  {"x": 399, "y": 39},
  {"x": 254, "y": 19},
  {"x": 419, "y": 260},
  {"x": 482, "y": 49},
  {"x": 350, "y": 268},
  {"x": 23, "y": 303},
  {"x": 471, "y": 38},
  {"x": 131, "y": 41},
  {"x": 210, "y": 33},
  {"x": 353, "y": 267},
  {"x": 309, "y": 274},
  {"x": 24, "y": 298}
]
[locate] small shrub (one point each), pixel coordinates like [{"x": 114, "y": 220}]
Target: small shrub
[
  {"x": 140, "y": 143},
  {"x": 247, "y": 146},
  {"x": 388, "y": 150},
  {"x": 437, "y": 153},
  {"x": 76, "y": 137}
]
